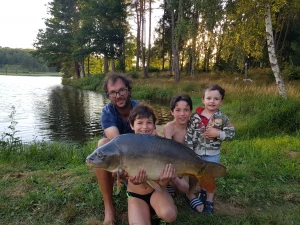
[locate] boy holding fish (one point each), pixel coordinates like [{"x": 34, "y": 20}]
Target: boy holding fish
[
  {"x": 143, "y": 199},
  {"x": 208, "y": 127}
]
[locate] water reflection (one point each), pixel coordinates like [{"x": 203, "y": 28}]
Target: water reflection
[
  {"x": 47, "y": 110},
  {"x": 73, "y": 114}
]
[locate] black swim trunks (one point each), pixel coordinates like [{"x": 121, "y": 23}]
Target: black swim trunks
[{"x": 145, "y": 197}]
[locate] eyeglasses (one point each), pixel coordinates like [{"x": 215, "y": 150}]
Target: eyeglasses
[{"x": 121, "y": 92}]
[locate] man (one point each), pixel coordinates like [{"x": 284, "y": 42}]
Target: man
[{"x": 114, "y": 121}]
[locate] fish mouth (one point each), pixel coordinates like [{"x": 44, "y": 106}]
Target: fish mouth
[{"x": 90, "y": 160}]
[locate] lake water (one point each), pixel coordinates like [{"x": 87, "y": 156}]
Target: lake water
[{"x": 47, "y": 110}]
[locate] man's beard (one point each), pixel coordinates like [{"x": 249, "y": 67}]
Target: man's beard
[{"x": 127, "y": 104}]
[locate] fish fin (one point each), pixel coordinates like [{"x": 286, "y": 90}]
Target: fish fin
[
  {"x": 118, "y": 182},
  {"x": 207, "y": 182},
  {"x": 215, "y": 169},
  {"x": 154, "y": 185}
]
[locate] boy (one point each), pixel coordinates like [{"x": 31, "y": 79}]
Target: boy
[
  {"x": 181, "y": 108},
  {"x": 143, "y": 200},
  {"x": 208, "y": 127}
]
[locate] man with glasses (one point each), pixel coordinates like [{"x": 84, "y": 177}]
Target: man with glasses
[{"x": 114, "y": 121}]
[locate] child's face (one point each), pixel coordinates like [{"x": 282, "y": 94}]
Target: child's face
[
  {"x": 181, "y": 112},
  {"x": 212, "y": 100},
  {"x": 143, "y": 125}
]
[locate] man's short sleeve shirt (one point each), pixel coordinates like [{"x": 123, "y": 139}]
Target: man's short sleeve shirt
[{"x": 111, "y": 118}]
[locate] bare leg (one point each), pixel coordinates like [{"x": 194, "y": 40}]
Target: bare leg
[
  {"x": 138, "y": 212},
  {"x": 181, "y": 185},
  {"x": 106, "y": 181},
  {"x": 210, "y": 197},
  {"x": 164, "y": 206}
]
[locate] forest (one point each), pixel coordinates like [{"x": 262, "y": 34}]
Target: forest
[
  {"x": 21, "y": 61},
  {"x": 191, "y": 35}
]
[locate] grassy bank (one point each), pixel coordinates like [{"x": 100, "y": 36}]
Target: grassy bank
[
  {"x": 50, "y": 183},
  {"x": 32, "y": 74}
]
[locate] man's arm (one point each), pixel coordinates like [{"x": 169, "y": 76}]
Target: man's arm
[{"x": 111, "y": 132}]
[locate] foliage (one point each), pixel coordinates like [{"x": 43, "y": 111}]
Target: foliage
[
  {"x": 291, "y": 72},
  {"x": 20, "y": 61},
  {"x": 93, "y": 82},
  {"x": 55, "y": 43},
  {"x": 8, "y": 138}
]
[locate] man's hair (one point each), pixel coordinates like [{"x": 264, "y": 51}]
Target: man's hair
[
  {"x": 113, "y": 77},
  {"x": 214, "y": 87},
  {"x": 178, "y": 98},
  {"x": 142, "y": 110}
]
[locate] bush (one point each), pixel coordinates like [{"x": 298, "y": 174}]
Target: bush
[
  {"x": 133, "y": 74},
  {"x": 292, "y": 72},
  {"x": 88, "y": 83}
]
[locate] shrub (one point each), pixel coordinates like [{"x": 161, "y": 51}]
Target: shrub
[{"x": 292, "y": 72}]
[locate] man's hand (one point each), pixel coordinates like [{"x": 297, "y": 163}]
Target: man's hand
[{"x": 167, "y": 174}]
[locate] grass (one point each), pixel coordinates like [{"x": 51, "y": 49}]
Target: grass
[
  {"x": 32, "y": 74},
  {"x": 49, "y": 183}
]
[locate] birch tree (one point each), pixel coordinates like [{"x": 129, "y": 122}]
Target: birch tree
[{"x": 272, "y": 54}]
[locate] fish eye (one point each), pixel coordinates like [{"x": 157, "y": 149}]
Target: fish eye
[{"x": 100, "y": 155}]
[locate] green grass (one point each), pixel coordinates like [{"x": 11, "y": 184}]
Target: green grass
[
  {"x": 50, "y": 184},
  {"x": 47, "y": 183}
]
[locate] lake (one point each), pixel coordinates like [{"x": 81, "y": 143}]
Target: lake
[{"x": 46, "y": 110}]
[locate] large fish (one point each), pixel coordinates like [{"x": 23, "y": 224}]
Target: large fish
[{"x": 131, "y": 152}]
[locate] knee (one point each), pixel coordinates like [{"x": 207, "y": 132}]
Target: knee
[
  {"x": 183, "y": 188},
  {"x": 169, "y": 214}
]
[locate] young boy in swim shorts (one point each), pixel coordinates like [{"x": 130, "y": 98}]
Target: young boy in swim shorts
[{"x": 143, "y": 200}]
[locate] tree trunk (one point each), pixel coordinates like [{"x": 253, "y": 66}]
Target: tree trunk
[
  {"x": 138, "y": 35},
  {"x": 82, "y": 72},
  {"x": 163, "y": 36},
  {"x": 88, "y": 65},
  {"x": 143, "y": 38},
  {"x": 105, "y": 64},
  {"x": 175, "y": 64},
  {"x": 272, "y": 54},
  {"x": 113, "y": 68},
  {"x": 149, "y": 40},
  {"x": 77, "y": 69}
]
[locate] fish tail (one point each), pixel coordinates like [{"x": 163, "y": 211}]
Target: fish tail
[
  {"x": 207, "y": 176},
  {"x": 207, "y": 182}
]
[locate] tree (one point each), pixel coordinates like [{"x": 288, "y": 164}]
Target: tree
[
  {"x": 272, "y": 54},
  {"x": 109, "y": 28},
  {"x": 56, "y": 43}
]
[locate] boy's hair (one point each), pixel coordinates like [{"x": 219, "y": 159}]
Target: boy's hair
[
  {"x": 178, "y": 98},
  {"x": 113, "y": 77},
  {"x": 214, "y": 87},
  {"x": 142, "y": 110}
]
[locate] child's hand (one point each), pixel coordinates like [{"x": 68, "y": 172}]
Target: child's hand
[
  {"x": 167, "y": 174},
  {"x": 140, "y": 178},
  {"x": 212, "y": 133}
]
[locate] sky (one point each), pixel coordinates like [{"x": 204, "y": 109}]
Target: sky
[{"x": 20, "y": 21}]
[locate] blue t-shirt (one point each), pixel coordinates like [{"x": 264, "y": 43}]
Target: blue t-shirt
[{"x": 111, "y": 118}]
